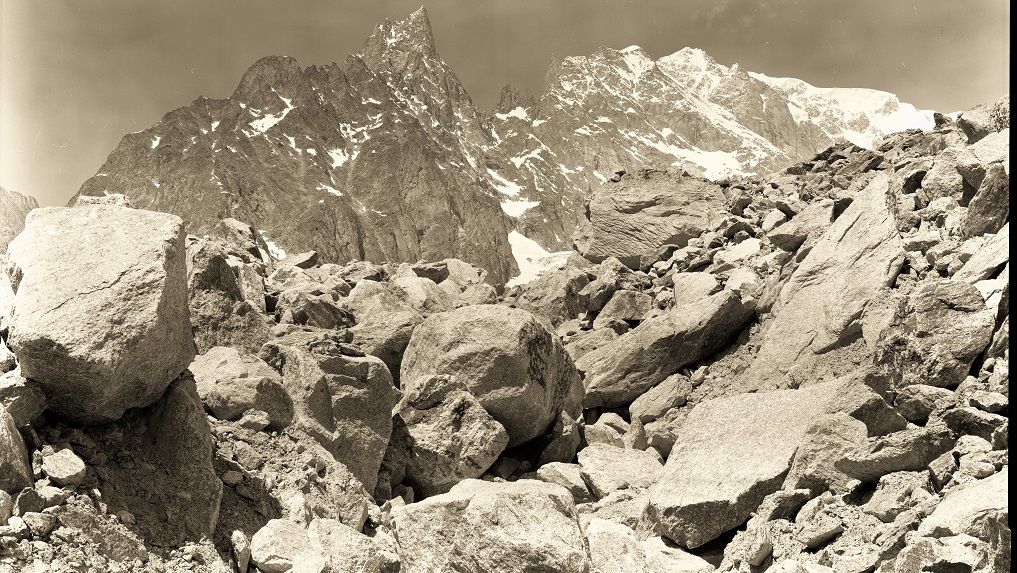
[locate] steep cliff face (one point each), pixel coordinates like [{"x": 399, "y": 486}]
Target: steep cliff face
[
  {"x": 387, "y": 158},
  {"x": 13, "y": 208}
]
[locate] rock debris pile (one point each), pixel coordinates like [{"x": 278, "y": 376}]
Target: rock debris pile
[{"x": 807, "y": 373}]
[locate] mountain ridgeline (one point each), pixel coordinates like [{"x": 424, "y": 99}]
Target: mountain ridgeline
[{"x": 387, "y": 158}]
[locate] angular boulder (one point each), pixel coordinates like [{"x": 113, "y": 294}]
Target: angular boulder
[
  {"x": 220, "y": 313},
  {"x": 608, "y": 468},
  {"x": 481, "y": 526},
  {"x": 386, "y": 335},
  {"x": 966, "y": 508},
  {"x": 515, "y": 367},
  {"x": 936, "y": 334},
  {"x": 690, "y": 288},
  {"x": 230, "y": 383},
  {"x": 100, "y": 316},
  {"x": 820, "y": 306},
  {"x": 343, "y": 402},
  {"x": 451, "y": 439},
  {"x": 729, "y": 455},
  {"x": 989, "y": 209},
  {"x": 644, "y": 211},
  {"x": 623, "y": 369},
  {"x": 15, "y": 472},
  {"x": 555, "y": 295}
]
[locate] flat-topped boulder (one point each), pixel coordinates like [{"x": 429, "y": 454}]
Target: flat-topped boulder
[{"x": 729, "y": 455}]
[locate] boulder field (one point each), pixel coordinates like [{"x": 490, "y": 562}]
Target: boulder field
[{"x": 803, "y": 373}]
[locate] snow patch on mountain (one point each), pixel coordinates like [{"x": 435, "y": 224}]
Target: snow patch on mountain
[
  {"x": 264, "y": 123},
  {"x": 503, "y": 185},
  {"x": 532, "y": 259},
  {"x": 275, "y": 250},
  {"x": 517, "y": 208}
]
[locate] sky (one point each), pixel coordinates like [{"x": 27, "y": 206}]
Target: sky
[{"x": 77, "y": 75}]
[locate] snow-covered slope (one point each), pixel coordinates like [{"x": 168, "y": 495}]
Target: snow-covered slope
[{"x": 861, "y": 116}]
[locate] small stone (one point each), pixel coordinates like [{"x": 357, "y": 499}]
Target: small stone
[
  {"x": 52, "y": 496},
  {"x": 350, "y": 350},
  {"x": 39, "y": 523},
  {"x": 232, "y": 478},
  {"x": 820, "y": 531},
  {"x": 247, "y": 456},
  {"x": 16, "y": 527},
  {"x": 991, "y": 402},
  {"x": 241, "y": 549},
  {"x": 28, "y": 501},
  {"x": 64, "y": 467},
  {"x": 255, "y": 420},
  {"x": 942, "y": 469},
  {"x": 978, "y": 469}
]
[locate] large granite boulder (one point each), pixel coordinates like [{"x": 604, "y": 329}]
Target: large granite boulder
[
  {"x": 820, "y": 307},
  {"x": 220, "y": 312},
  {"x": 450, "y": 439},
  {"x": 481, "y": 526},
  {"x": 344, "y": 402},
  {"x": 515, "y": 367},
  {"x": 936, "y": 333},
  {"x": 644, "y": 211},
  {"x": 730, "y": 454},
  {"x": 100, "y": 317},
  {"x": 231, "y": 383},
  {"x": 623, "y": 369}
]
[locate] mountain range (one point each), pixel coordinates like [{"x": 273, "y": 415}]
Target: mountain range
[{"x": 386, "y": 157}]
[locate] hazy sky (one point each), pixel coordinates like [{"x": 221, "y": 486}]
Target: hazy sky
[{"x": 76, "y": 75}]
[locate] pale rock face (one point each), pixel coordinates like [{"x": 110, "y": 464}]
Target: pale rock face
[
  {"x": 15, "y": 473},
  {"x": 126, "y": 294},
  {"x": 508, "y": 360},
  {"x": 482, "y": 526},
  {"x": 621, "y": 370},
  {"x": 819, "y": 306},
  {"x": 730, "y": 454}
]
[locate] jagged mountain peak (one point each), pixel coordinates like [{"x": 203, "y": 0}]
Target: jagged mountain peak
[
  {"x": 395, "y": 41},
  {"x": 267, "y": 73},
  {"x": 511, "y": 98}
]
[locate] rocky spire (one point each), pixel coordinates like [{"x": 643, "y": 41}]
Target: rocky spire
[{"x": 396, "y": 42}]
